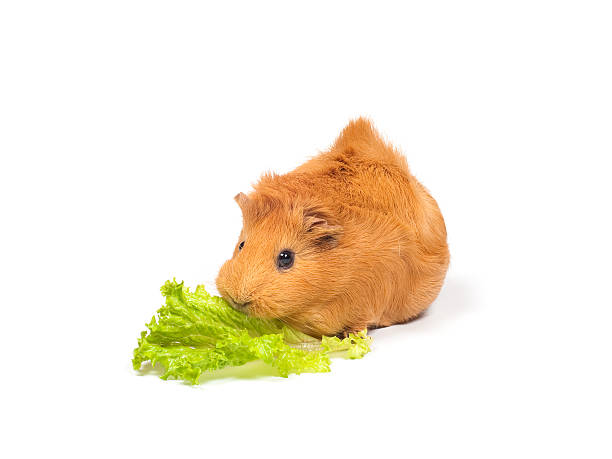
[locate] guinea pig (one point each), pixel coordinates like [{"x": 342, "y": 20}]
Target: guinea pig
[{"x": 348, "y": 240}]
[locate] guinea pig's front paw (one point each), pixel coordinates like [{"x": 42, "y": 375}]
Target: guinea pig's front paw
[{"x": 347, "y": 331}]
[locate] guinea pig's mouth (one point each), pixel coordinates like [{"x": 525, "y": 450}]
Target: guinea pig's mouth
[{"x": 242, "y": 307}]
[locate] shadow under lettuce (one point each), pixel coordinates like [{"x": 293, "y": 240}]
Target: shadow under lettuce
[{"x": 250, "y": 370}]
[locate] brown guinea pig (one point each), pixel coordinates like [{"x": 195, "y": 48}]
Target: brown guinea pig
[{"x": 348, "y": 240}]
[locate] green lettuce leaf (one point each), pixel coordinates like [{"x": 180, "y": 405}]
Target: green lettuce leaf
[{"x": 195, "y": 332}]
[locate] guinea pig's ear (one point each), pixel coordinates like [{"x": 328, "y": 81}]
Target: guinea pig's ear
[
  {"x": 242, "y": 200},
  {"x": 319, "y": 226}
]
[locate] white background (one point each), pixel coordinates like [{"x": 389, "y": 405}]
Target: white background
[{"x": 127, "y": 127}]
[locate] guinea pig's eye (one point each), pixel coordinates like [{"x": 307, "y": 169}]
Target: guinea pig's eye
[
  {"x": 240, "y": 246},
  {"x": 285, "y": 259}
]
